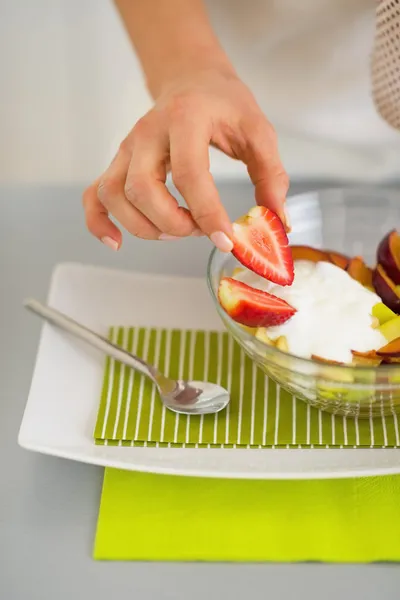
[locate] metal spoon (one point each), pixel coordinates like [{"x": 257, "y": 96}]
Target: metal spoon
[{"x": 185, "y": 397}]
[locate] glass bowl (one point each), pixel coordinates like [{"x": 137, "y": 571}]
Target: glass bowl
[{"x": 351, "y": 221}]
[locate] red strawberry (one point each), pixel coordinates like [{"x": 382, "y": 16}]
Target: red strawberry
[
  {"x": 252, "y": 307},
  {"x": 261, "y": 244}
]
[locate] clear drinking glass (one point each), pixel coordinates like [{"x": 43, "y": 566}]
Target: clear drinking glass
[{"x": 351, "y": 221}]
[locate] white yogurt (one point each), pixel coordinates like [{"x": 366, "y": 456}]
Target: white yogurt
[{"x": 333, "y": 312}]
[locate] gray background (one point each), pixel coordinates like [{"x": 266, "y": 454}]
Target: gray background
[{"x": 48, "y": 507}]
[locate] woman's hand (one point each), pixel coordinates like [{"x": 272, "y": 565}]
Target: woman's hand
[
  {"x": 199, "y": 100},
  {"x": 209, "y": 107}
]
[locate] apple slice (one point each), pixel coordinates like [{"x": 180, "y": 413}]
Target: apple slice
[
  {"x": 338, "y": 259},
  {"x": 391, "y": 329},
  {"x": 282, "y": 344},
  {"x": 375, "y": 322},
  {"x": 388, "y": 255},
  {"x": 262, "y": 335},
  {"x": 386, "y": 289},
  {"x": 383, "y": 313},
  {"x": 391, "y": 352},
  {"x": 261, "y": 245},
  {"x": 308, "y": 253},
  {"x": 251, "y": 307},
  {"x": 358, "y": 270},
  {"x": 251, "y": 330},
  {"x": 369, "y": 358}
]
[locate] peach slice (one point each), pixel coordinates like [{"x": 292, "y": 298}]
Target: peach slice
[
  {"x": 392, "y": 360},
  {"x": 391, "y": 352},
  {"x": 369, "y": 358},
  {"x": 327, "y": 361},
  {"x": 388, "y": 255},
  {"x": 391, "y": 349},
  {"x": 309, "y": 253},
  {"x": 358, "y": 270},
  {"x": 386, "y": 289},
  {"x": 383, "y": 313},
  {"x": 338, "y": 259}
]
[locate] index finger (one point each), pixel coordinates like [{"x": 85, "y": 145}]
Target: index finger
[
  {"x": 265, "y": 168},
  {"x": 190, "y": 166}
]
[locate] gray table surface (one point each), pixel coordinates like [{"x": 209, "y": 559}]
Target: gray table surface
[{"x": 48, "y": 506}]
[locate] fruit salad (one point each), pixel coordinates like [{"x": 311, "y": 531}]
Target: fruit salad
[{"x": 313, "y": 303}]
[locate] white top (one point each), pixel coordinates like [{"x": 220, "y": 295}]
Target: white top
[{"x": 308, "y": 64}]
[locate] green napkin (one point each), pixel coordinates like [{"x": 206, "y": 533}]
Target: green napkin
[
  {"x": 166, "y": 518},
  {"x": 261, "y": 414}
]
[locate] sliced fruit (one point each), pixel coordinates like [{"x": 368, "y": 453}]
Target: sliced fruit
[
  {"x": 366, "y": 358},
  {"x": 309, "y": 253},
  {"x": 392, "y": 360},
  {"x": 338, "y": 259},
  {"x": 383, "y": 313},
  {"x": 375, "y": 322},
  {"x": 391, "y": 351},
  {"x": 326, "y": 360},
  {"x": 386, "y": 289},
  {"x": 391, "y": 329},
  {"x": 358, "y": 270},
  {"x": 282, "y": 344},
  {"x": 262, "y": 335},
  {"x": 251, "y": 307},
  {"x": 261, "y": 245},
  {"x": 251, "y": 330},
  {"x": 388, "y": 255},
  {"x": 317, "y": 255}
]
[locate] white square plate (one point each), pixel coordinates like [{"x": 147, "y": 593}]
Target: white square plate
[{"x": 64, "y": 396}]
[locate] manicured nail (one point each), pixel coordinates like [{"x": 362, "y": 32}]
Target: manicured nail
[
  {"x": 221, "y": 241},
  {"x": 164, "y": 237},
  {"x": 107, "y": 241}
]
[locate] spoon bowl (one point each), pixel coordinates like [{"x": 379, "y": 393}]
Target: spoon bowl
[{"x": 198, "y": 398}]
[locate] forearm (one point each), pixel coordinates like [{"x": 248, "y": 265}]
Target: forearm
[{"x": 171, "y": 38}]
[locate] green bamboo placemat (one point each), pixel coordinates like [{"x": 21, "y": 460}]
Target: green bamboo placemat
[{"x": 261, "y": 414}]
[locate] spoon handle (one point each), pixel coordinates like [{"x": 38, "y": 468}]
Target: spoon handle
[{"x": 92, "y": 338}]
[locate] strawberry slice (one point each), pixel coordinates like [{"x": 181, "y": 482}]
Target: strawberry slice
[
  {"x": 261, "y": 244},
  {"x": 251, "y": 307}
]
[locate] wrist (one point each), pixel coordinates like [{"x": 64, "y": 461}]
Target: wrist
[{"x": 187, "y": 64}]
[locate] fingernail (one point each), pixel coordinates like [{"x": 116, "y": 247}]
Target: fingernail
[
  {"x": 165, "y": 237},
  {"x": 221, "y": 241},
  {"x": 107, "y": 241},
  {"x": 197, "y": 233}
]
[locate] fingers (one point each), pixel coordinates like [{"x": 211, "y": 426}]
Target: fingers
[
  {"x": 265, "y": 168},
  {"x": 189, "y": 153},
  {"x": 145, "y": 183},
  {"x": 111, "y": 194},
  {"x": 97, "y": 220}
]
